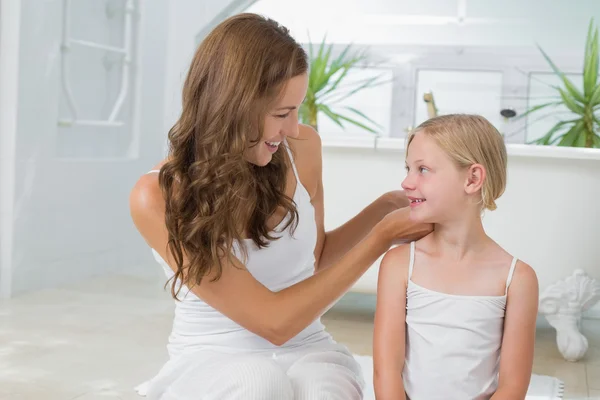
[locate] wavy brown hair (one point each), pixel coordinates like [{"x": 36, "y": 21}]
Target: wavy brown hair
[{"x": 214, "y": 196}]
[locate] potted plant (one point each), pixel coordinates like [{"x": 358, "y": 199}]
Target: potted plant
[
  {"x": 328, "y": 85},
  {"x": 584, "y": 129}
]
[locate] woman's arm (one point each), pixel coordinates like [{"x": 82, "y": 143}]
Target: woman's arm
[
  {"x": 389, "y": 332},
  {"x": 332, "y": 245},
  {"x": 276, "y": 316},
  {"x": 337, "y": 242},
  {"x": 516, "y": 355}
]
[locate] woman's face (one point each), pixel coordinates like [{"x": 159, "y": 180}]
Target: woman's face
[{"x": 280, "y": 122}]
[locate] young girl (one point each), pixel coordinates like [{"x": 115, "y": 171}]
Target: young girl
[{"x": 456, "y": 313}]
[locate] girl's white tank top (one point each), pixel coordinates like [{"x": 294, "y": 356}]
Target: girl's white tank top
[{"x": 452, "y": 342}]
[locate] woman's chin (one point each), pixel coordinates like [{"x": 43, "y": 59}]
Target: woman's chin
[{"x": 261, "y": 160}]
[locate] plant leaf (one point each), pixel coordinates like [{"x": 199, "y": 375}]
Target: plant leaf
[
  {"x": 352, "y": 121},
  {"x": 595, "y": 97},
  {"x": 577, "y": 95},
  {"x": 537, "y": 108},
  {"x": 345, "y": 68},
  {"x": 568, "y": 84},
  {"x": 596, "y": 141},
  {"x": 368, "y": 83},
  {"x": 327, "y": 76},
  {"x": 317, "y": 67},
  {"x": 354, "y": 110},
  {"x": 548, "y": 136},
  {"x": 590, "y": 64},
  {"x": 333, "y": 116},
  {"x": 580, "y": 139},
  {"x": 341, "y": 93},
  {"x": 571, "y": 136},
  {"x": 570, "y": 103},
  {"x": 303, "y": 113}
]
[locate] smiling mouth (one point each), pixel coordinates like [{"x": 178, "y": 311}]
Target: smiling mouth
[
  {"x": 272, "y": 146},
  {"x": 415, "y": 202}
]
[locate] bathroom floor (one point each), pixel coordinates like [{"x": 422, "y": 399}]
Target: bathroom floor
[{"x": 97, "y": 340}]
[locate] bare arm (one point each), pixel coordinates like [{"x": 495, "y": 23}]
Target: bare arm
[
  {"x": 339, "y": 241},
  {"x": 389, "y": 332},
  {"x": 332, "y": 245},
  {"x": 276, "y": 316},
  {"x": 516, "y": 356}
]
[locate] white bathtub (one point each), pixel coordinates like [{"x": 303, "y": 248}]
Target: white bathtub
[{"x": 549, "y": 217}]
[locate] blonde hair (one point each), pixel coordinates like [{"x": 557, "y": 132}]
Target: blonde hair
[{"x": 468, "y": 140}]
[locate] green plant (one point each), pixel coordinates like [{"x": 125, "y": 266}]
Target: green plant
[
  {"x": 584, "y": 129},
  {"x": 328, "y": 85}
]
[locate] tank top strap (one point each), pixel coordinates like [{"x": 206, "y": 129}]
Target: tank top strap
[
  {"x": 411, "y": 263},
  {"x": 510, "y": 274},
  {"x": 153, "y": 171},
  {"x": 289, "y": 151}
]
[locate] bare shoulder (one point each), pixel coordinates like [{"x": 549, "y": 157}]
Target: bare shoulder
[
  {"x": 308, "y": 137},
  {"x": 147, "y": 206},
  {"x": 306, "y": 149},
  {"x": 307, "y": 146},
  {"x": 394, "y": 264},
  {"x": 145, "y": 194},
  {"x": 525, "y": 280}
]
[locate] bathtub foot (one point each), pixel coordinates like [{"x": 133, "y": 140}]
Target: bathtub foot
[{"x": 563, "y": 303}]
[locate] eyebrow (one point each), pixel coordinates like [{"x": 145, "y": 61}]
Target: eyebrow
[{"x": 286, "y": 108}]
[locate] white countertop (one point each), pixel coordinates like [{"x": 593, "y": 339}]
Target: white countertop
[{"x": 520, "y": 150}]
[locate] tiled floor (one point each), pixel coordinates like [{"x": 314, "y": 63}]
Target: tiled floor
[{"x": 96, "y": 340}]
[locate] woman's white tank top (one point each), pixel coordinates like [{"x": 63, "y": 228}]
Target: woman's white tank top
[
  {"x": 452, "y": 342},
  {"x": 286, "y": 261}
]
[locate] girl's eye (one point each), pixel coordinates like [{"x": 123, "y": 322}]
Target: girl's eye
[
  {"x": 282, "y": 115},
  {"x": 423, "y": 169}
]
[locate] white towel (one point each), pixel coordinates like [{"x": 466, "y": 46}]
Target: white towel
[{"x": 541, "y": 387}]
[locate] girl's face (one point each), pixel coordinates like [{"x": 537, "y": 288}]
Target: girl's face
[
  {"x": 280, "y": 122},
  {"x": 437, "y": 188}
]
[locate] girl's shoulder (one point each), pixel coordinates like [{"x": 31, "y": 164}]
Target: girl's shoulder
[
  {"x": 394, "y": 265},
  {"x": 521, "y": 275}
]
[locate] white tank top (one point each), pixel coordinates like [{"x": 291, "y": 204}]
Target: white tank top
[
  {"x": 452, "y": 342},
  {"x": 283, "y": 263}
]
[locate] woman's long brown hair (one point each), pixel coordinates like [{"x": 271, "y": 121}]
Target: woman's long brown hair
[{"x": 214, "y": 197}]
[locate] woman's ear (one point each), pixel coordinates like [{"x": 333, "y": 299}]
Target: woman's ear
[{"x": 475, "y": 177}]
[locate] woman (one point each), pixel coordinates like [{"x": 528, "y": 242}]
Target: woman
[{"x": 235, "y": 217}]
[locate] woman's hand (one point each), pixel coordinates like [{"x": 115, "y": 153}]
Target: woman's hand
[
  {"x": 396, "y": 199},
  {"x": 397, "y": 227}
]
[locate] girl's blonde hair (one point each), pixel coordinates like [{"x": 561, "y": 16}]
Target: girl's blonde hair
[{"x": 468, "y": 140}]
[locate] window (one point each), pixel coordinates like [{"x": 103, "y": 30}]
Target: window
[
  {"x": 473, "y": 92},
  {"x": 375, "y": 102}
]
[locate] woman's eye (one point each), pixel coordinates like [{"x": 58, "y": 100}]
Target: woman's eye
[{"x": 282, "y": 115}]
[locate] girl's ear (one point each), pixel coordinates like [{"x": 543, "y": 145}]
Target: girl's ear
[{"x": 475, "y": 178}]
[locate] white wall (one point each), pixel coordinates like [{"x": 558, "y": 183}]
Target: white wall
[
  {"x": 66, "y": 217},
  {"x": 547, "y": 216},
  {"x": 71, "y": 217},
  {"x": 9, "y": 70},
  {"x": 555, "y": 24},
  {"x": 188, "y": 18}
]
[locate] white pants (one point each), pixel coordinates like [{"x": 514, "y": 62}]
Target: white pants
[{"x": 308, "y": 374}]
